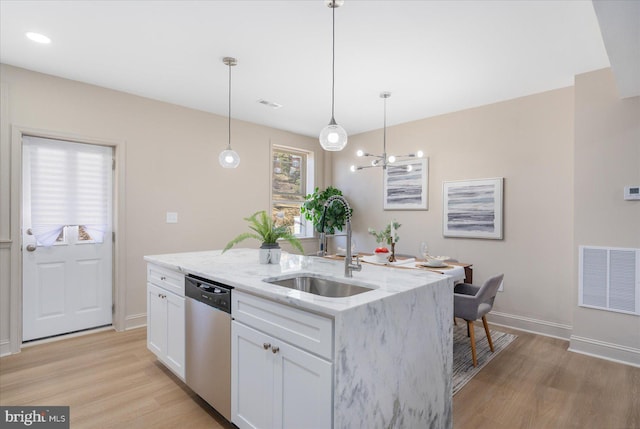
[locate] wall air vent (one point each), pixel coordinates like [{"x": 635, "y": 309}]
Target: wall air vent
[
  {"x": 610, "y": 279},
  {"x": 271, "y": 104}
]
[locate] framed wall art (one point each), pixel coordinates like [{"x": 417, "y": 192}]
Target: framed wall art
[
  {"x": 473, "y": 208},
  {"x": 406, "y": 185}
]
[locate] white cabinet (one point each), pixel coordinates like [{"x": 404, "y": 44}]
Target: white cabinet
[
  {"x": 166, "y": 317},
  {"x": 275, "y": 383}
]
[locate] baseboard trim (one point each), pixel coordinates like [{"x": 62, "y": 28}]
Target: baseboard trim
[
  {"x": 5, "y": 348},
  {"x": 586, "y": 346},
  {"x": 527, "y": 324},
  {"x": 134, "y": 321},
  {"x": 608, "y": 351}
]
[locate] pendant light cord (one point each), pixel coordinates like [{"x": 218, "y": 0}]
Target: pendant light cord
[
  {"x": 229, "y": 141},
  {"x": 333, "y": 60},
  {"x": 384, "y": 135}
]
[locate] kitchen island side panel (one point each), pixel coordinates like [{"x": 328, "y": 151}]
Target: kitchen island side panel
[{"x": 393, "y": 361}]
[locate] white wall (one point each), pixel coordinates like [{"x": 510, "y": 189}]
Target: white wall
[
  {"x": 607, "y": 158},
  {"x": 565, "y": 156},
  {"x": 529, "y": 142},
  {"x": 171, "y": 165}
]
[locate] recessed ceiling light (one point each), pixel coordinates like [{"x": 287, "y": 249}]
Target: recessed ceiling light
[{"x": 37, "y": 37}]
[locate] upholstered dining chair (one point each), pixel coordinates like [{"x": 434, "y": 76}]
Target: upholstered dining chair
[{"x": 474, "y": 302}]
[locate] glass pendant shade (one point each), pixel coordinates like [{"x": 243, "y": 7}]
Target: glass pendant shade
[
  {"x": 333, "y": 137},
  {"x": 229, "y": 158}
]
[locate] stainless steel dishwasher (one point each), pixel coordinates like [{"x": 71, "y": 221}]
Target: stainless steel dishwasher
[{"x": 208, "y": 342}]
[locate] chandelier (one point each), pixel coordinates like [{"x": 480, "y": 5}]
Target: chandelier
[{"x": 383, "y": 160}]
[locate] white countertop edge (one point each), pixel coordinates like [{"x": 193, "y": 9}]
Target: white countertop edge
[{"x": 240, "y": 268}]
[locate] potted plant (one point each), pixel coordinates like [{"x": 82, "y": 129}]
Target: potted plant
[
  {"x": 265, "y": 230},
  {"x": 388, "y": 236},
  {"x": 313, "y": 207}
]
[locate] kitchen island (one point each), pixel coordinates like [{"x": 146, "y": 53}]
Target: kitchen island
[{"x": 391, "y": 353}]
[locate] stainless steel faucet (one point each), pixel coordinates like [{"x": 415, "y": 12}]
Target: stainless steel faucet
[{"x": 349, "y": 266}]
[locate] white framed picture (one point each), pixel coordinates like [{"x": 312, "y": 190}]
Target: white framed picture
[
  {"x": 473, "y": 208},
  {"x": 406, "y": 185}
]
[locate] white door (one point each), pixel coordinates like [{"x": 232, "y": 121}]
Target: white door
[
  {"x": 156, "y": 320},
  {"x": 302, "y": 390},
  {"x": 252, "y": 364},
  {"x": 175, "y": 332},
  {"x": 67, "y": 237}
]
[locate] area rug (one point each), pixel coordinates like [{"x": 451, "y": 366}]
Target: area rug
[{"x": 463, "y": 369}]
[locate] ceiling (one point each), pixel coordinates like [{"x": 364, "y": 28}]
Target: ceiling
[{"x": 434, "y": 56}]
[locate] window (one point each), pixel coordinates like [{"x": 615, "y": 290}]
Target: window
[
  {"x": 291, "y": 177},
  {"x": 66, "y": 185}
]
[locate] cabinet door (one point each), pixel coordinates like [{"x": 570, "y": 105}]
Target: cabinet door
[
  {"x": 175, "y": 333},
  {"x": 303, "y": 390},
  {"x": 156, "y": 320},
  {"x": 252, "y": 365}
]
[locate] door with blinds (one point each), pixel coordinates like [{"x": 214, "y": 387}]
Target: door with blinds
[{"x": 67, "y": 237}]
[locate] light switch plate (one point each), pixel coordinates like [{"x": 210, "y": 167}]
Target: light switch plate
[{"x": 172, "y": 217}]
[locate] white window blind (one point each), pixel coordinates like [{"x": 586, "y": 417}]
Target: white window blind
[
  {"x": 610, "y": 279},
  {"x": 69, "y": 184}
]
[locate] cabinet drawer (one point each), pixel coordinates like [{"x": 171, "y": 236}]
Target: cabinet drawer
[
  {"x": 306, "y": 330},
  {"x": 165, "y": 278}
]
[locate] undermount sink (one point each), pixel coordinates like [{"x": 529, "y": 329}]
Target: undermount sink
[{"x": 322, "y": 286}]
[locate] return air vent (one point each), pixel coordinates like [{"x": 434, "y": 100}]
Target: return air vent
[{"x": 610, "y": 279}]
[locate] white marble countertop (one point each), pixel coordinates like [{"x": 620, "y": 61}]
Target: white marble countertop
[{"x": 240, "y": 268}]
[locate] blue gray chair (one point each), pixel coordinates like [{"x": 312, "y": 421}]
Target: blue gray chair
[{"x": 474, "y": 302}]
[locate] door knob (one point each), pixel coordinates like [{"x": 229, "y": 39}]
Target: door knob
[
  {"x": 275, "y": 349},
  {"x": 31, "y": 247},
  {"x": 266, "y": 346}
]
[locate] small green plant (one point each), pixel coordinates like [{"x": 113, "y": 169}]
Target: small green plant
[
  {"x": 313, "y": 207},
  {"x": 265, "y": 230},
  {"x": 384, "y": 236}
]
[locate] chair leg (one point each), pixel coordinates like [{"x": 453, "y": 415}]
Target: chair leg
[
  {"x": 454, "y": 321},
  {"x": 473, "y": 342},
  {"x": 486, "y": 330}
]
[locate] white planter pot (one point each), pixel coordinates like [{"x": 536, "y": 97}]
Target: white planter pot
[{"x": 270, "y": 255}]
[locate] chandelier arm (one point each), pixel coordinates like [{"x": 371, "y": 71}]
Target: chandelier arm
[{"x": 362, "y": 167}]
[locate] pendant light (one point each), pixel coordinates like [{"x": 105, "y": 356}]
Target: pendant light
[
  {"x": 333, "y": 137},
  {"x": 229, "y": 158},
  {"x": 382, "y": 160}
]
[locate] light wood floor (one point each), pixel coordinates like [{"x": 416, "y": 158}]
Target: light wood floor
[
  {"x": 110, "y": 380},
  {"x": 535, "y": 383}
]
